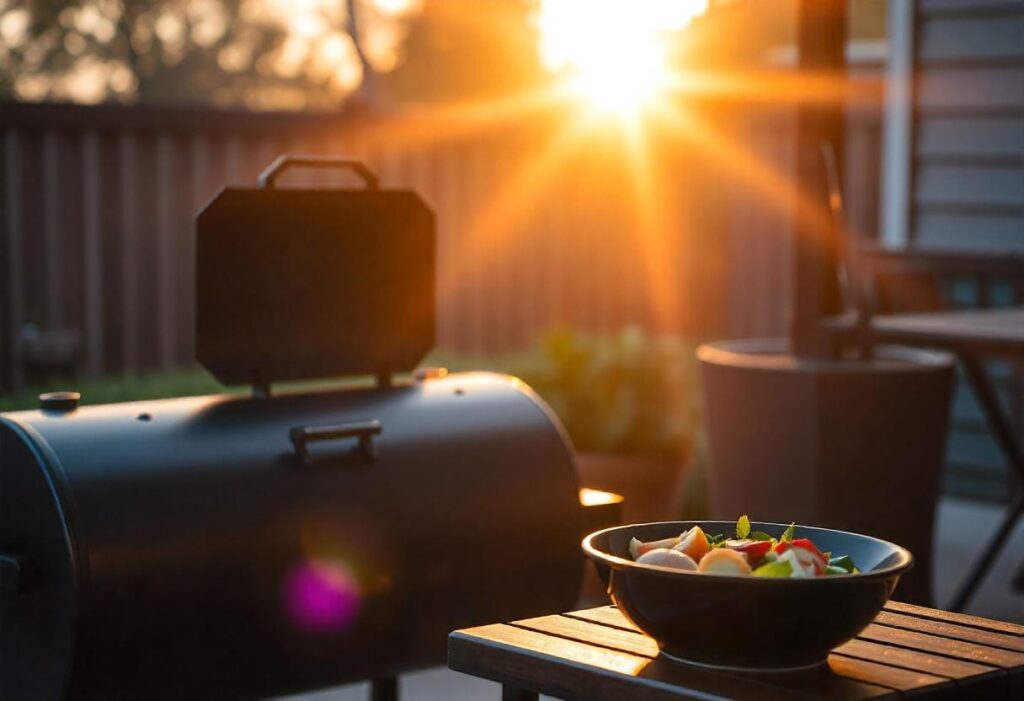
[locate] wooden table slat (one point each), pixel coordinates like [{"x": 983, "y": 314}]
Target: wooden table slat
[
  {"x": 961, "y": 649},
  {"x": 606, "y": 615},
  {"x": 959, "y": 619},
  {"x": 538, "y": 662},
  {"x": 952, "y": 630},
  {"x": 856, "y": 668},
  {"x": 573, "y": 670},
  {"x": 598, "y": 654},
  {"x": 1009, "y": 660},
  {"x": 972, "y": 677},
  {"x": 654, "y": 675},
  {"x": 813, "y": 685},
  {"x": 903, "y": 680},
  {"x": 939, "y": 665},
  {"x": 630, "y": 641}
]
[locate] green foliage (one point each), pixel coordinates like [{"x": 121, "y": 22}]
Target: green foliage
[
  {"x": 182, "y": 383},
  {"x": 626, "y": 393},
  {"x": 778, "y": 568},
  {"x": 843, "y": 563},
  {"x": 743, "y": 527}
]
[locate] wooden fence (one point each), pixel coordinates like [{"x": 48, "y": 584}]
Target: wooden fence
[{"x": 539, "y": 226}]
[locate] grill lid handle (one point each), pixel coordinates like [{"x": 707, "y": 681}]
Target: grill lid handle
[
  {"x": 283, "y": 163},
  {"x": 364, "y": 431}
]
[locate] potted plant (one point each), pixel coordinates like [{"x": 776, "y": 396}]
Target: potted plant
[{"x": 629, "y": 405}]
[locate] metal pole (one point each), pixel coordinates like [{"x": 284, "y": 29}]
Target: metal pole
[
  {"x": 1009, "y": 444},
  {"x": 821, "y": 36}
]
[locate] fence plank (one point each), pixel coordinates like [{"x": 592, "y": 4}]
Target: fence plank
[
  {"x": 129, "y": 252},
  {"x": 166, "y": 297},
  {"x": 14, "y": 223},
  {"x": 92, "y": 260},
  {"x": 50, "y": 181}
]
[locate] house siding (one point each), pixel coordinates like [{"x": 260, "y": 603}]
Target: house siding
[{"x": 967, "y": 191}]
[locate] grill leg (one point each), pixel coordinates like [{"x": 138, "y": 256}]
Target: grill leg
[
  {"x": 511, "y": 693},
  {"x": 385, "y": 689}
]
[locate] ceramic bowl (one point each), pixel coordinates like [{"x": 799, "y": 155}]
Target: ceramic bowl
[{"x": 748, "y": 622}]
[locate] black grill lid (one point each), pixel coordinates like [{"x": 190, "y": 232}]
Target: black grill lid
[{"x": 302, "y": 284}]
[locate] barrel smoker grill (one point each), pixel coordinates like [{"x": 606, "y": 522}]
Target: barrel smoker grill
[{"x": 237, "y": 546}]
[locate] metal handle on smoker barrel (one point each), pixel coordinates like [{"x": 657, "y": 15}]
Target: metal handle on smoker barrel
[
  {"x": 283, "y": 163},
  {"x": 364, "y": 431}
]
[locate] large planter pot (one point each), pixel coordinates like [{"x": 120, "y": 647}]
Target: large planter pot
[{"x": 853, "y": 445}]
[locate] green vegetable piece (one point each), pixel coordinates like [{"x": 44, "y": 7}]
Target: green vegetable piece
[
  {"x": 715, "y": 540},
  {"x": 844, "y": 563},
  {"x": 832, "y": 569},
  {"x": 759, "y": 535},
  {"x": 787, "y": 534},
  {"x": 777, "y": 569},
  {"x": 771, "y": 556},
  {"x": 743, "y": 527}
]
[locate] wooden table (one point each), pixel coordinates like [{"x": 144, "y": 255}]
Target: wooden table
[
  {"x": 596, "y": 654},
  {"x": 978, "y": 331},
  {"x": 972, "y": 335}
]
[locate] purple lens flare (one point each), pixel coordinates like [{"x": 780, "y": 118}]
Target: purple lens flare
[{"x": 321, "y": 596}]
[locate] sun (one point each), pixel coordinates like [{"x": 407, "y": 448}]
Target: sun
[
  {"x": 620, "y": 83},
  {"x": 613, "y": 53}
]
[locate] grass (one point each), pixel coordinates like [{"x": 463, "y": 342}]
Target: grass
[
  {"x": 126, "y": 388},
  {"x": 195, "y": 381}
]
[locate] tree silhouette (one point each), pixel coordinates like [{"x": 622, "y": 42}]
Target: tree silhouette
[
  {"x": 229, "y": 52},
  {"x": 458, "y": 49}
]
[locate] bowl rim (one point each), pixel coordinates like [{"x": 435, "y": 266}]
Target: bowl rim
[{"x": 904, "y": 563}]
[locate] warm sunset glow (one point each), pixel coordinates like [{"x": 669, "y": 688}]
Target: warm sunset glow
[
  {"x": 595, "y": 497},
  {"x": 614, "y": 54}
]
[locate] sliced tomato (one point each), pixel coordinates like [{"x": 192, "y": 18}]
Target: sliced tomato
[
  {"x": 806, "y": 552},
  {"x": 755, "y": 550},
  {"x": 807, "y": 544}
]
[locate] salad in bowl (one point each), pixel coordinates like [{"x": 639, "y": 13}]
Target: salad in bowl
[
  {"x": 746, "y": 595},
  {"x": 745, "y": 553}
]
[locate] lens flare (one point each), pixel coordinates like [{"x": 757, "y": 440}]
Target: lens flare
[{"x": 321, "y": 596}]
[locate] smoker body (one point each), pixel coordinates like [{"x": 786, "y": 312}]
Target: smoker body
[{"x": 229, "y": 546}]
